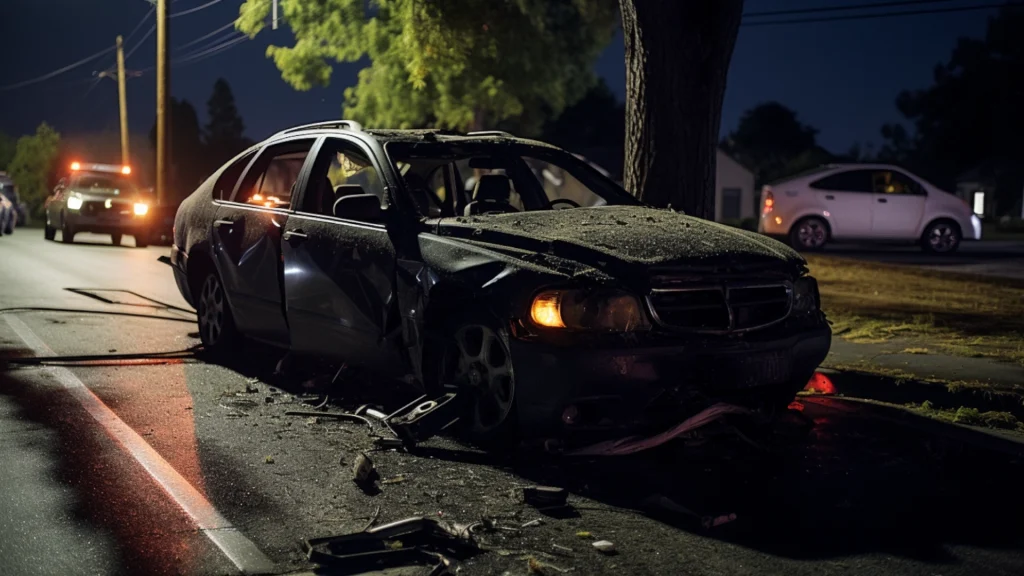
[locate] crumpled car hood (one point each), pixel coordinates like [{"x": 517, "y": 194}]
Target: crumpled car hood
[{"x": 628, "y": 234}]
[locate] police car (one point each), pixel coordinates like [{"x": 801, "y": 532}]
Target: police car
[{"x": 97, "y": 198}]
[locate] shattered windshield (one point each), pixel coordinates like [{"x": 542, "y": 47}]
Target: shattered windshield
[{"x": 487, "y": 178}]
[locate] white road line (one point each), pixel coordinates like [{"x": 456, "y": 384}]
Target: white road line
[{"x": 241, "y": 551}]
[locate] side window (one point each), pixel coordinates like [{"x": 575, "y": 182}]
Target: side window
[
  {"x": 226, "y": 183},
  {"x": 272, "y": 178},
  {"x": 559, "y": 184},
  {"x": 850, "y": 181},
  {"x": 340, "y": 166},
  {"x": 888, "y": 182}
]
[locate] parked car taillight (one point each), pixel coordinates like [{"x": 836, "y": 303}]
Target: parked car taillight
[{"x": 769, "y": 199}]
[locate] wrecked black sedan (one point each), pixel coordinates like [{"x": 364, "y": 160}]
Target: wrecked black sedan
[{"x": 504, "y": 269}]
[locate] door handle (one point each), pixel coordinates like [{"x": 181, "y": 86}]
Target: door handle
[
  {"x": 219, "y": 223},
  {"x": 829, "y": 197},
  {"x": 882, "y": 200},
  {"x": 294, "y": 235}
]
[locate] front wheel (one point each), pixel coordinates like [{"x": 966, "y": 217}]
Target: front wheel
[
  {"x": 140, "y": 240},
  {"x": 115, "y": 239},
  {"x": 476, "y": 363},
  {"x": 67, "y": 233},
  {"x": 216, "y": 324},
  {"x": 942, "y": 237},
  {"x": 809, "y": 234},
  {"x": 49, "y": 232}
]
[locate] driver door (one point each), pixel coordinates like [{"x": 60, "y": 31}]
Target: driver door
[{"x": 339, "y": 270}]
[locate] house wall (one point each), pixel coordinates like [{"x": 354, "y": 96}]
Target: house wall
[{"x": 730, "y": 174}]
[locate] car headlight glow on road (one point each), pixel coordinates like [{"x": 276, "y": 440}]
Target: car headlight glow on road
[
  {"x": 607, "y": 310},
  {"x": 141, "y": 209},
  {"x": 74, "y": 203}
]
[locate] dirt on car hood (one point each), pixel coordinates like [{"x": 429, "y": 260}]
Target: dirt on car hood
[{"x": 628, "y": 234}]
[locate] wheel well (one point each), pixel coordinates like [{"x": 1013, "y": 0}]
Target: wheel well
[
  {"x": 935, "y": 221},
  {"x": 828, "y": 227}
]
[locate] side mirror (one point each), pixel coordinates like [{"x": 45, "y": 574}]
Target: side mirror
[{"x": 362, "y": 207}]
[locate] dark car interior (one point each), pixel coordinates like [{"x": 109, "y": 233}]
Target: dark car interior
[{"x": 484, "y": 179}]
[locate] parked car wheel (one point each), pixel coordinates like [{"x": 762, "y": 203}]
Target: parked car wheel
[
  {"x": 476, "y": 363},
  {"x": 67, "y": 233},
  {"x": 115, "y": 239},
  {"x": 809, "y": 234},
  {"x": 141, "y": 241},
  {"x": 941, "y": 237},
  {"x": 49, "y": 232},
  {"x": 10, "y": 227},
  {"x": 216, "y": 324}
]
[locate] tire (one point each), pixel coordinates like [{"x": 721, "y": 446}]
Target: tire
[
  {"x": 941, "y": 237},
  {"x": 809, "y": 234},
  {"x": 49, "y": 232},
  {"x": 474, "y": 360},
  {"x": 141, "y": 241},
  {"x": 115, "y": 239},
  {"x": 67, "y": 233},
  {"x": 217, "y": 330}
]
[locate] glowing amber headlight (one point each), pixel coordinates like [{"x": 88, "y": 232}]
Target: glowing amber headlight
[
  {"x": 141, "y": 209},
  {"x": 607, "y": 310}
]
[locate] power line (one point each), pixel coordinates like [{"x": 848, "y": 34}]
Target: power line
[
  {"x": 841, "y": 8},
  {"x": 139, "y": 25},
  {"x": 58, "y": 71},
  {"x": 140, "y": 43},
  {"x": 885, "y": 14},
  {"x": 196, "y": 9},
  {"x": 205, "y": 36},
  {"x": 210, "y": 51},
  {"x": 208, "y": 44}
]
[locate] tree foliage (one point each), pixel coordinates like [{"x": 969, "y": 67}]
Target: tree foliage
[
  {"x": 448, "y": 63},
  {"x": 33, "y": 164},
  {"x": 224, "y": 134},
  {"x": 971, "y": 113},
  {"x": 772, "y": 142}
]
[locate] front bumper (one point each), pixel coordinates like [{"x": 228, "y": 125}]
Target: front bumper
[
  {"x": 119, "y": 224},
  {"x": 596, "y": 390}
]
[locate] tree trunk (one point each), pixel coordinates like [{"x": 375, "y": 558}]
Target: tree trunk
[{"x": 677, "y": 60}]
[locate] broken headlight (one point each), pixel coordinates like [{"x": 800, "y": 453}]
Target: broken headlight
[
  {"x": 608, "y": 310},
  {"x": 805, "y": 295}
]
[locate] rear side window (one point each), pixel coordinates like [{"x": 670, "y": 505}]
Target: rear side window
[
  {"x": 226, "y": 183},
  {"x": 849, "y": 181},
  {"x": 272, "y": 179}
]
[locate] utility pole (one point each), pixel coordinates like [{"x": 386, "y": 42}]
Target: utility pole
[
  {"x": 123, "y": 101},
  {"x": 161, "y": 101}
]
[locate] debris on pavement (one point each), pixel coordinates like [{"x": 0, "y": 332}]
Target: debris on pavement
[
  {"x": 268, "y": 460},
  {"x": 410, "y": 542},
  {"x": 395, "y": 479},
  {"x": 338, "y": 415},
  {"x": 389, "y": 443},
  {"x": 545, "y": 496},
  {"x": 424, "y": 417},
  {"x": 535, "y": 566},
  {"x": 659, "y": 504},
  {"x": 604, "y": 547},
  {"x": 584, "y": 534},
  {"x": 363, "y": 471},
  {"x": 634, "y": 444},
  {"x": 532, "y": 523}
]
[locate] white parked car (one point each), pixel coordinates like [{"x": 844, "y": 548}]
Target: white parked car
[{"x": 875, "y": 202}]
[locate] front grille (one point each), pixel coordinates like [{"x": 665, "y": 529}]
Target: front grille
[
  {"x": 99, "y": 208},
  {"x": 727, "y": 307}
]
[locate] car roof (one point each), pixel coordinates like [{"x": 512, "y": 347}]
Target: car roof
[
  {"x": 385, "y": 135},
  {"x": 827, "y": 169}
]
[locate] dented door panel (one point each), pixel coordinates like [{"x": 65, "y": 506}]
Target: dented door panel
[
  {"x": 339, "y": 278},
  {"x": 247, "y": 244}
]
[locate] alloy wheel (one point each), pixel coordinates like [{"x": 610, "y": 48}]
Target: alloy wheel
[
  {"x": 211, "y": 311},
  {"x": 478, "y": 363},
  {"x": 942, "y": 237},
  {"x": 811, "y": 234}
]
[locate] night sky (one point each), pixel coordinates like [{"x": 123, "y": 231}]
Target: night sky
[{"x": 841, "y": 77}]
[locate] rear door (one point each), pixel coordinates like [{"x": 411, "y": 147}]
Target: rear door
[
  {"x": 846, "y": 197},
  {"x": 339, "y": 272},
  {"x": 898, "y": 205},
  {"x": 247, "y": 238}
]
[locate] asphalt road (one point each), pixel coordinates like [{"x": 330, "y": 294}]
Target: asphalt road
[
  {"x": 1001, "y": 258},
  {"x": 179, "y": 466}
]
